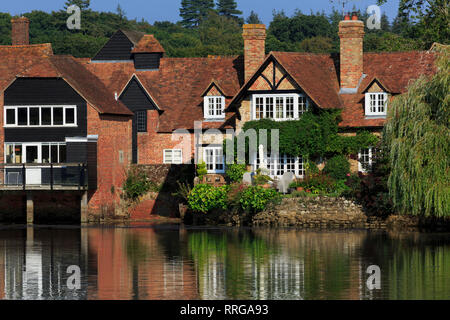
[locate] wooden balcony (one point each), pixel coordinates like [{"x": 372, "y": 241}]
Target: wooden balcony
[{"x": 43, "y": 176}]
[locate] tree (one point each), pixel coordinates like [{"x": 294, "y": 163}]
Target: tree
[
  {"x": 417, "y": 136},
  {"x": 429, "y": 19},
  {"x": 120, "y": 12},
  {"x": 193, "y": 12},
  {"x": 228, "y": 8},
  {"x": 253, "y": 18},
  {"x": 83, "y": 4},
  {"x": 316, "y": 45}
]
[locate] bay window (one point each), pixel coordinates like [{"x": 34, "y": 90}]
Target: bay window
[
  {"x": 279, "y": 106},
  {"x": 376, "y": 104},
  {"x": 214, "y": 107},
  {"x": 40, "y": 116},
  {"x": 280, "y": 164}
]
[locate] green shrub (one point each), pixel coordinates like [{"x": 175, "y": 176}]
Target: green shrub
[
  {"x": 137, "y": 184},
  {"x": 337, "y": 167},
  {"x": 204, "y": 198},
  {"x": 201, "y": 170},
  {"x": 235, "y": 172},
  {"x": 184, "y": 189},
  {"x": 311, "y": 168},
  {"x": 255, "y": 198},
  {"x": 261, "y": 179},
  {"x": 318, "y": 183}
]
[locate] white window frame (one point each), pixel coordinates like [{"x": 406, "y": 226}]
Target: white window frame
[
  {"x": 297, "y": 109},
  {"x": 206, "y": 105},
  {"x": 40, "y": 125},
  {"x": 39, "y": 144},
  {"x": 215, "y": 163},
  {"x": 173, "y": 160},
  {"x": 278, "y": 165},
  {"x": 370, "y": 163},
  {"x": 377, "y": 96}
]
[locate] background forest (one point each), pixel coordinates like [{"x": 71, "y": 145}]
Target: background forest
[{"x": 209, "y": 27}]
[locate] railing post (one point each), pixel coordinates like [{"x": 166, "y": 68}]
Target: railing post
[
  {"x": 24, "y": 174},
  {"x": 51, "y": 176},
  {"x": 80, "y": 176}
]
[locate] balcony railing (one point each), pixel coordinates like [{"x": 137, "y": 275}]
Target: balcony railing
[{"x": 45, "y": 176}]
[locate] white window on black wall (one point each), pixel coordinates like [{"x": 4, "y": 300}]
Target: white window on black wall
[
  {"x": 40, "y": 116},
  {"x": 141, "y": 121}
]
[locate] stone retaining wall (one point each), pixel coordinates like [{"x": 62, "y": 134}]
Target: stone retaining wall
[{"x": 317, "y": 212}]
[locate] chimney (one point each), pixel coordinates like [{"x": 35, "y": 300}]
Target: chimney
[
  {"x": 351, "y": 33},
  {"x": 20, "y": 31},
  {"x": 254, "y": 48}
]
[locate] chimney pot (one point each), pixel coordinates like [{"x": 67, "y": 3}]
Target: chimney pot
[
  {"x": 354, "y": 16},
  {"x": 347, "y": 17},
  {"x": 20, "y": 31}
]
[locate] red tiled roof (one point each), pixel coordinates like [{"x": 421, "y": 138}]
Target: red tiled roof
[
  {"x": 394, "y": 70},
  {"x": 178, "y": 85},
  {"x": 14, "y": 59},
  {"x": 315, "y": 74},
  {"x": 148, "y": 44},
  {"x": 39, "y": 61}
]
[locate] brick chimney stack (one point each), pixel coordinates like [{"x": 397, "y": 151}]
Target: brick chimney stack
[
  {"x": 20, "y": 31},
  {"x": 351, "y": 33},
  {"x": 254, "y": 47}
]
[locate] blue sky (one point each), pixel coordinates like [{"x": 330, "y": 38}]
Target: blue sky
[{"x": 161, "y": 10}]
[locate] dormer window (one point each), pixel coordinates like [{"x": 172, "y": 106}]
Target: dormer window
[
  {"x": 376, "y": 104},
  {"x": 214, "y": 107}
]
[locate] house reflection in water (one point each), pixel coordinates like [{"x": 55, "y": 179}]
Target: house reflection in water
[
  {"x": 175, "y": 263},
  {"x": 34, "y": 262},
  {"x": 133, "y": 264}
]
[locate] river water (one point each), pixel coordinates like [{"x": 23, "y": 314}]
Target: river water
[{"x": 171, "y": 262}]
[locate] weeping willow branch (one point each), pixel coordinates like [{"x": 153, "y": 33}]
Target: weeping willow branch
[{"x": 418, "y": 137}]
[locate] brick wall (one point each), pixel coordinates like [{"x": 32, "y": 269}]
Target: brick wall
[
  {"x": 114, "y": 137},
  {"x": 351, "y": 34},
  {"x": 151, "y": 144},
  {"x": 254, "y": 47}
]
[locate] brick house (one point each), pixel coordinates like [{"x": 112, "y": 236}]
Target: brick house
[
  {"x": 220, "y": 93},
  {"x": 130, "y": 99},
  {"x": 61, "y": 129}
]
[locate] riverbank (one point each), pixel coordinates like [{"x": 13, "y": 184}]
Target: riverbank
[{"x": 339, "y": 213}]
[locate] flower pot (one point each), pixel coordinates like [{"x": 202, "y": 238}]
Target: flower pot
[
  {"x": 266, "y": 186},
  {"x": 300, "y": 189}
]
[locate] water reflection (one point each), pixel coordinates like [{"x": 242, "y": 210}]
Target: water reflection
[{"x": 180, "y": 263}]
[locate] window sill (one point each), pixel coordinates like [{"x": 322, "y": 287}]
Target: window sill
[
  {"x": 214, "y": 120},
  {"x": 379, "y": 116},
  {"x": 38, "y": 127}
]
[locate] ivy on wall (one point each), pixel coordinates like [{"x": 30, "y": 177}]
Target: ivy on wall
[{"x": 314, "y": 135}]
